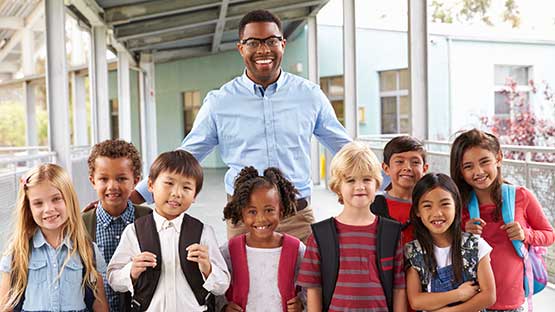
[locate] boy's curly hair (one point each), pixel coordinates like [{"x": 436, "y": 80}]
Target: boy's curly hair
[
  {"x": 116, "y": 149},
  {"x": 248, "y": 181}
]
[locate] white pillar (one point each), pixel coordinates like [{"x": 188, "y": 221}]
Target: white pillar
[
  {"x": 27, "y": 51},
  {"x": 124, "y": 98},
  {"x": 57, "y": 83},
  {"x": 313, "y": 76},
  {"x": 349, "y": 67},
  {"x": 78, "y": 95},
  {"x": 31, "y": 135},
  {"x": 149, "y": 137},
  {"x": 98, "y": 70},
  {"x": 418, "y": 67}
]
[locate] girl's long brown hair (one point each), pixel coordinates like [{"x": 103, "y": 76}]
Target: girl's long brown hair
[{"x": 25, "y": 228}]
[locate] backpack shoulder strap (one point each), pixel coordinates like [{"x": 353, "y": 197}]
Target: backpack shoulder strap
[
  {"x": 89, "y": 218},
  {"x": 325, "y": 235},
  {"x": 473, "y": 206},
  {"x": 388, "y": 238},
  {"x": 414, "y": 257},
  {"x": 141, "y": 211},
  {"x": 469, "y": 249},
  {"x": 191, "y": 232},
  {"x": 239, "y": 289},
  {"x": 379, "y": 207}
]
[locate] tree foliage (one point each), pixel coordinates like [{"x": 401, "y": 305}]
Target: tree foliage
[
  {"x": 464, "y": 11},
  {"x": 12, "y": 125}
]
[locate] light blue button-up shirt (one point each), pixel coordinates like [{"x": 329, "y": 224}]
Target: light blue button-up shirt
[
  {"x": 46, "y": 290},
  {"x": 264, "y": 128}
]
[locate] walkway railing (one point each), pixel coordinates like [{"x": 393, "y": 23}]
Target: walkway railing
[{"x": 539, "y": 177}]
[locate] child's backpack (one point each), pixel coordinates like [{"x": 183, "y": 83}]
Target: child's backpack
[{"x": 535, "y": 270}]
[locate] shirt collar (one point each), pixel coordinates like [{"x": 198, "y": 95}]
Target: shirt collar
[
  {"x": 39, "y": 240},
  {"x": 162, "y": 223},
  {"x": 257, "y": 89},
  {"x": 105, "y": 219}
]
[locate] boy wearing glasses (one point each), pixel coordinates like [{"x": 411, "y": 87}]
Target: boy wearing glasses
[{"x": 264, "y": 118}]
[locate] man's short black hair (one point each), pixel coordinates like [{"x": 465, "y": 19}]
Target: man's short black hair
[{"x": 258, "y": 16}]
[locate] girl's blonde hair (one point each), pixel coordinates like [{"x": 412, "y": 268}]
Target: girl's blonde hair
[
  {"x": 354, "y": 159},
  {"x": 25, "y": 228}
]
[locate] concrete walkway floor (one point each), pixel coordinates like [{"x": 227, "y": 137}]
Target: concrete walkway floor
[{"x": 209, "y": 204}]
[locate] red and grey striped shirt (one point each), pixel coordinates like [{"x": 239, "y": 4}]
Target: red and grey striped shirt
[{"x": 358, "y": 282}]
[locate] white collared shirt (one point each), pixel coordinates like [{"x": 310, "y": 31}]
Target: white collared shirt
[{"x": 173, "y": 292}]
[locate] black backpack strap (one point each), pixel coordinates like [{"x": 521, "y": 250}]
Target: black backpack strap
[
  {"x": 379, "y": 207},
  {"x": 389, "y": 234},
  {"x": 325, "y": 235},
  {"x": 148, "y": 239},
  {"x": 141, "y": 211},
  {"x": 191, "y": 232}
]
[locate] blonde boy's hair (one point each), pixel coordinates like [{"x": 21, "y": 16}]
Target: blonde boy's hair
[
  {"x": 25, "y": 228},
  {"x": 354, "y": 159}
]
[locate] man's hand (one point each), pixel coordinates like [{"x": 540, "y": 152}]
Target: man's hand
[
  {"x": 294, "y": 305},
  {"x": 232, "y": 307},
  {"x": 475, "y": 226},
  {"x": 514, "y": 231},
  {"x": 141, "y": 262},
  {"x": 199, "y": 254},
  {"x": 467, "y": 290}
]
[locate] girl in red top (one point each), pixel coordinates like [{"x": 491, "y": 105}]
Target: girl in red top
[
  {"x": 476, "y": 166},
  {"x": 263, "y": 263}
]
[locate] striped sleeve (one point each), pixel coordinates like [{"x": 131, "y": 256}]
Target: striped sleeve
[
  {"x": 309, "y": 274},
  {"x": 399, "y": 278}
]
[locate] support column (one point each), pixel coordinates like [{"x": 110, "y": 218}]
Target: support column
[
  {"x": 149, "y": 138},
  {"x": 418, "y": 67},
  {"x": 313, "y": 76},
  {"x": 124, "y": 98},
  {"x": 98, "y": 70},
  {"x": 57, "y": 83},
  {"x": 78, "y": 94},
  {"x": 31, "y": 133},
  {"x": 349, "y": 67}
]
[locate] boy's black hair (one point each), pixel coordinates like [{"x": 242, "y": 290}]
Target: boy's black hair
[
  {"x": 401, "y": 144},
  {"x": 115, "y": 149},
  {"x": 180, "y": 162},
  {"x": 248, "y": 181},
  {"x": 258, "y": 16},
  {"x": 426, "y": 184}
]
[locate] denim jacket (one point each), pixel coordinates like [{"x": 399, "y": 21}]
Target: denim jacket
[{"x": 47, "y": 289}]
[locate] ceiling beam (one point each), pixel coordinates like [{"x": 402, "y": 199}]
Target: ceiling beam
[
  {"x": 205, "y": 17},
  {"x": 6, "y": 67},
  {"x": 220, "y": 27},
  {"x": 146, "y": 43},
  {"x": 15, "y": 39},
  {"x": 11, "y": 22}
]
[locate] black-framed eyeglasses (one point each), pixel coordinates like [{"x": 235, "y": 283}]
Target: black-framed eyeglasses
[{"x": 254, "y": 43}]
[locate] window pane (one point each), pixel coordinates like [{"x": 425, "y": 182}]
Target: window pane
[
  {"x": 502, "y": 105},
  {"x": 336, "y": 87},
  {"x": 388, "y": 80},
  {"x": 389, "y": 114},
  {"x": 404, "y": 125},
  {"x": 404, "y": 105},
  {"x": 517, "y": 73},
  {"x": 339, "y": 109},
  {"x": 404, "y": 80}
]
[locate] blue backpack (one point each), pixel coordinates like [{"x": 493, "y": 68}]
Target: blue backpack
[{"x": 535, "y": 271}]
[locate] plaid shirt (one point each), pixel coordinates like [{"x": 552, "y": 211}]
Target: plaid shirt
[{"x": 108, "y": 233}]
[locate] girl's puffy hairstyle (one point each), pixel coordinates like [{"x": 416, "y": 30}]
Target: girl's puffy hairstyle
[
  {"x": 248, "y": 181},
  {"x": 426, "y": 184},
  {"x": 354, "y": 158},
  {"x": 465, "y": 141},
  {"x": 25, "y": 228}
]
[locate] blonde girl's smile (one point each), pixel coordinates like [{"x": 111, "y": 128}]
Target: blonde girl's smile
[{"x": 47, "y": 206}]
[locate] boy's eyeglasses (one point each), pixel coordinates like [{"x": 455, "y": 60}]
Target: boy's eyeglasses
[{"x": 255, "y": 43}]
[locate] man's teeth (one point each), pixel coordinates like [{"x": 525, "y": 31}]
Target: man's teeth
[{"x": 263, "y": 61}]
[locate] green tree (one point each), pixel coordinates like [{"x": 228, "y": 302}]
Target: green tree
[{"x": 12, "y": 125}]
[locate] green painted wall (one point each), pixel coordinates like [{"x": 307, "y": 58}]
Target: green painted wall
[{"x": 205, "y": 74}]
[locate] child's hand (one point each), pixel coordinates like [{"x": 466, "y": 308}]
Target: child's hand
[
  {"x": 294, "y": 305},
  {"x": 232, "y": 307},
  {"x": 475, "y": 226},
  {"x": 467, "y": 290},
  {"x": 141, "y": 262},
  {"x": 514, "y": 231},
  {"x": 199, "y": 254}
]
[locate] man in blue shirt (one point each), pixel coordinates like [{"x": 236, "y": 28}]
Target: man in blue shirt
[{"x": 264, "y": 118}]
